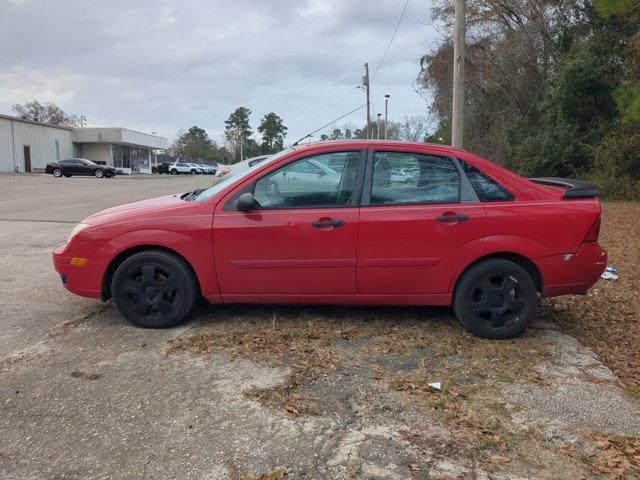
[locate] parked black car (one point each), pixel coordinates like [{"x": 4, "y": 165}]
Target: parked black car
[
  {"x": 163, "y": 167},
  {"x": 79, "y": 166}
]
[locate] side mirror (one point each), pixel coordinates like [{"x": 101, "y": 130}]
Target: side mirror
[{"x": 246, "y": 202}]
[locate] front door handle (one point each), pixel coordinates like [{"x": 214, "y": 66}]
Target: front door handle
[
  {"x": 322, "y": 223},
  {"x": 461, "y": 217}
]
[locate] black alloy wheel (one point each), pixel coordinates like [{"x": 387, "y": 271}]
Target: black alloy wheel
[
  {"x": 496, "y": 299},
  {"x": 154, "y": 289}
]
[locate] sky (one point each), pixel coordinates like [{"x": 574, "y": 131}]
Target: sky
[{"x": 162, "y": 66}]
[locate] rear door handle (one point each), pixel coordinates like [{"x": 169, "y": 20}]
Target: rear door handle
[
  {"x": 461, "y": 217},
  {"x": 328, "y": 223}
]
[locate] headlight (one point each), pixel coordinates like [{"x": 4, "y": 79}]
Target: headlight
[{"x": 76, "y": 230}]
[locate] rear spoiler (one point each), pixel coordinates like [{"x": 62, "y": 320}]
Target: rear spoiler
[{"x": 574, "y": 188}]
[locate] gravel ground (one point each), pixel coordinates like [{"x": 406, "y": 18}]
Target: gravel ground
[{"x": 84, "y": 395}]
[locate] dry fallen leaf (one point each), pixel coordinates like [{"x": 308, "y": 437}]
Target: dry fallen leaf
[
  {"x": 499, "y": 458},
  {"x": 292, "y": 410}
]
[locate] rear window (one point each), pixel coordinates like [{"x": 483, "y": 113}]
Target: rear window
[{"x": 487, "y": 189}]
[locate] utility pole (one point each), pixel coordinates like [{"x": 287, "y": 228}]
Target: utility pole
[
  {"x": 457, "y": 113},
  {"x": 365, "y": 85},
  {"x": 378, "y": 136},
  {"x": 386, "y": 115}
]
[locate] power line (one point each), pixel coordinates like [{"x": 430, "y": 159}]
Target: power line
[
  {"x": 404, "y": 9},
  {"x": 333, "y": 121}
]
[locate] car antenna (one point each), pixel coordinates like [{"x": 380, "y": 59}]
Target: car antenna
[{"x": 309, "y": 135}]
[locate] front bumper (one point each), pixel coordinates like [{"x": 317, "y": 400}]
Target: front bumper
[
  {"x": 86, "y": 279},
  {"x": 573, "y": 273}
]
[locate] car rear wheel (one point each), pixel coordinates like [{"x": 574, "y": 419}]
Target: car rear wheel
[
  {"x": 57, "y": 172},
  {"x": 495, "y": 299},
  {"x": 154, "y": 289},
  {"x": 99, "y": 173}
]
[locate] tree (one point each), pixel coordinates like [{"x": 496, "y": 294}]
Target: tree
[
  {"x": 273, "y": 132},
  {"x": 552, "y": 86},
  {"x": 238, "y": 132},
  {"x": 409, "y": 128},
  {"x": 412, "y": 128},
  {"x": 196, "y": 144},
  {"x": 44, "y": 112}
]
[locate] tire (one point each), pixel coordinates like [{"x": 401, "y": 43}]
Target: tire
[
  {"x": 495, "y": 299},
  {"x": 173, "y": 171},
  {"x": 99, "y": 173},
  {"x": 194, "y": 171},
  {"x": 142, "y": 295},
  {"x": 57, "y": 172}
]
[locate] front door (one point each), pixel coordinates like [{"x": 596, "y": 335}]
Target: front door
[
  {"x": 415, "y": 231},
  {"x": 27, "y": 158},
  {"x": 302, "y": 237}
]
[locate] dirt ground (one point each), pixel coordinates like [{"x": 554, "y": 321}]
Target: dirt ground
[{"x": 263, "y": 392}]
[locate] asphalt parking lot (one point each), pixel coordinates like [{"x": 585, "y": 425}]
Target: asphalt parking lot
[{"x": 274, "y": 392}]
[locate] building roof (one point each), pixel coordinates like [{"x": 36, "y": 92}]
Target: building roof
[
  {"x": 119, "y": 135},
  {"x": 24, "y": 120}
]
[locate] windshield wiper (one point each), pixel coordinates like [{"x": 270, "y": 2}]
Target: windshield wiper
[{"x": 190, "y": 196}]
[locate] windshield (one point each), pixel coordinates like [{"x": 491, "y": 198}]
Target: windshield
[{"x": 236, "y": 176}]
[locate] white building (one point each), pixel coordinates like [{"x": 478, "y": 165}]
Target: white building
[{"x": 27, "y": 146}]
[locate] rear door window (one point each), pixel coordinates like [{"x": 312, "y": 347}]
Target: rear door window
[{"x": 413, "y": 178}]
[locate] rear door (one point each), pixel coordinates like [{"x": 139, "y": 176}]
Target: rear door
[
  {"x": 302, "y": 238},
  {"x": 416, "y": 229}
]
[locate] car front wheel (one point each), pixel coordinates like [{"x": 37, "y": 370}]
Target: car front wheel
[
  {"x": 154, "y": 289},
  {"x": 194, "y": 172},
  {"x": 495, "y": 299},
  {"x": 57, "y": 172}
]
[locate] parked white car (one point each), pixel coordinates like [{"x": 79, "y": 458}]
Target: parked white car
[
  {"x": 248, "y": 163},
  {"x": 177, "y": 167},
  {"x": 208, "y": 169}
]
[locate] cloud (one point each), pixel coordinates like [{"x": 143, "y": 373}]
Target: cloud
[{"x": 165, "y": 65}]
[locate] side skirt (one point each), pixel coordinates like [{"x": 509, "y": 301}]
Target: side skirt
[{"x": 443, "y": 299}]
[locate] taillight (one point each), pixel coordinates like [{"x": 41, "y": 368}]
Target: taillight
[{"x": 594, "y": 231}]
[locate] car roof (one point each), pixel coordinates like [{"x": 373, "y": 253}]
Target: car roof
[{"x": 362, "y": 143}]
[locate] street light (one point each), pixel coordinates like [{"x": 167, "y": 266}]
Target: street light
[{"x": 386, "y": 115}]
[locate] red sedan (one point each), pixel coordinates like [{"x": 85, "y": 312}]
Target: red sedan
[{"x": 351, "y": 222}]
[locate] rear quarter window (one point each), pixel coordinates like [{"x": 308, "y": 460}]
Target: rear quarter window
[{"x": 487, "y": 189}]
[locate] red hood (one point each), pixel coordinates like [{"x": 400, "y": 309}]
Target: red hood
[{"x": 151, "y": 207}]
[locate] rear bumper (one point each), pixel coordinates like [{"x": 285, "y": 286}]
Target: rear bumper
[
  {"x": 84, "y": 280},
  {"x": 572, "y": 273}
]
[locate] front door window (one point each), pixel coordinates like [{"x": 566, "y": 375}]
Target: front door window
[{"x": 326, "y": 180}]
